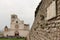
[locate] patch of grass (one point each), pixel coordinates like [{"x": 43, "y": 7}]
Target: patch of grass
[{"x": 12, "y": 38}]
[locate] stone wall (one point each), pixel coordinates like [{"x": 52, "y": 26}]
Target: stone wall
[{"x": 46, "y": 29}]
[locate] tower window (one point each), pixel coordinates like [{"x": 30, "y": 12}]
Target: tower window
[{"x": 16, "y": 21}]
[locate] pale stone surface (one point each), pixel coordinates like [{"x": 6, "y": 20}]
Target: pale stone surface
[{"x": 51, "y": 11}]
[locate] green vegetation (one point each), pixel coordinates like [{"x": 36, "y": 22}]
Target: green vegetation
[{"x": 12, "y": 38}]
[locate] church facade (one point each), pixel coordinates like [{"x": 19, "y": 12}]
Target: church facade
[
  {"x": 46, "y": 25},
  {"x": 17, "y": 28}
]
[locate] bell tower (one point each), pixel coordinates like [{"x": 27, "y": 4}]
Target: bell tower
[
  {"x": 6, "y": 29},
  {"x": 14, "y": 21},
  {"x": 13, "y": 17}
]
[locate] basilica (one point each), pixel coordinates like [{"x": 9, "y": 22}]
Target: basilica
[{"x": 17, "y": 28}]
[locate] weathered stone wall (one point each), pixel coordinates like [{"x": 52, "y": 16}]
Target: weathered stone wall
[{"x": 46, "y": 30}]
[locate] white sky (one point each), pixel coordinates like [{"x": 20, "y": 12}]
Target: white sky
[{"x": 23, "y": 8}]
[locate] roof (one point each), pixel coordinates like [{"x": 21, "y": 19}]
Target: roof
[
  {"x": 14, "y": 14},
  {"x": 26, "y": 24},
  {"x": 37, "y": 8}
]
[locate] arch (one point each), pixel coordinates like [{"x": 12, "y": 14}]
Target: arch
[{"x": 16, "y": 33}]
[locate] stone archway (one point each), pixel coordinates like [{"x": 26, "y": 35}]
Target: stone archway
[{"x": 16, "y": 33}]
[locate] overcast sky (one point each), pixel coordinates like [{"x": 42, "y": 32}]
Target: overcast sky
[{"x": 23, "y": 8}]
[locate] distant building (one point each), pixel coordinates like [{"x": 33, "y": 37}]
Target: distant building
[
  {"x": 1, "y": 34},
  {"x": 46, "y": 25},
  {"x": 17, "y": 28}
]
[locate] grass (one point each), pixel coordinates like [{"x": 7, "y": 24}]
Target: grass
[{"x": 12, "y": 38}]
